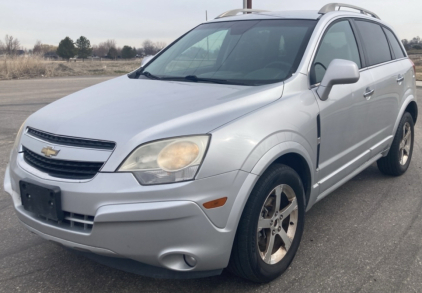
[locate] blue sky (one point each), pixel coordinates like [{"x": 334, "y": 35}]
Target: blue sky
[{"x": 130, "y": 22}]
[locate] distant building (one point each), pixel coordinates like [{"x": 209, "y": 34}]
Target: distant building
[{"x": 51, "y": 55}]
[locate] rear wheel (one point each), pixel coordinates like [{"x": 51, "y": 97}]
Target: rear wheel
[
  {"x": 398, "y": 159},
  {"x": 271, "y": 226}
]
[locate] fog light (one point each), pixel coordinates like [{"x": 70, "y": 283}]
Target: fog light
[{"x": 190, "y": 260}]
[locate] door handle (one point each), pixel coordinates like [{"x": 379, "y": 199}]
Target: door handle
[
  {"x": 368, "y": 93},
  {"x": 400, "y": 78}
]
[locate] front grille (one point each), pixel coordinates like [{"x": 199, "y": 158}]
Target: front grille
[
  {"x": 72, "y": 221},
  {"x": 62, "y": 168},
  {"x": 71, "y": 141}
]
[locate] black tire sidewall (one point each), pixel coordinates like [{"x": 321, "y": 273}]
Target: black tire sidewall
[
  {"x": 279, "y": 174},
  {"x": 395, "y": 150}
]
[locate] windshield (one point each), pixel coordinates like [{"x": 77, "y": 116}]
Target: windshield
[{"x": 252, "y": 52}]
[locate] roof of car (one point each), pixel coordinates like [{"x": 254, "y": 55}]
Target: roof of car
[
  {"x": 292, "y": 14},
  {"x": 289, "y": 14}
]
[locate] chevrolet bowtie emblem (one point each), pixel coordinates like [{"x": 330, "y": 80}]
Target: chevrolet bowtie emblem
[{"x": 49, "y": 152}]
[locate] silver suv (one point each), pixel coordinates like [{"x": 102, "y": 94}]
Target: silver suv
[{"x": 209, "y": 155}]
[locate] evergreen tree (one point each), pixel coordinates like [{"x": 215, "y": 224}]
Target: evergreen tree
[
  {"x": 66, "y": 49},
  {"x": 112, "y": 53},
  {"x": 83, "y": 47},
  {"x": 128, "y": 52}
]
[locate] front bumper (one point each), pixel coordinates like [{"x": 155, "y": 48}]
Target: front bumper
[{"x": 155, "y": 225}]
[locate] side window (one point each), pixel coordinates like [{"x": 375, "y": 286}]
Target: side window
[
  {"x": 374, "y": 42},
  {"x": 397, "y": 49},
  {"x": 338, "y": 43}
]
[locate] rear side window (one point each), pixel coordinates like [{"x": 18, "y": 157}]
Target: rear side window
[
  {"x": 374, "y": 42},
  {"x": 398, "y": 52},
  {"x": 338, "y": 43}
]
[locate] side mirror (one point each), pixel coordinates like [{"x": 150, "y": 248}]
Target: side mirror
[
  {"x": 338, "y": 72},
  {"x": 146, "y": 59}
]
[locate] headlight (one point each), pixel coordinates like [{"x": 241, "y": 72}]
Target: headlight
[
  {"x": 167, "y": 161},
  {"x": 17, "y": 140}
]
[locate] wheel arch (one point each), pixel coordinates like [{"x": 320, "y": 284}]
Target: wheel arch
[
  {"x": 293, "y": 155},
  {"x": 290, "y": 153},
  {"x": 299, "y": 164},
  {"x": 410, "y": 106}
]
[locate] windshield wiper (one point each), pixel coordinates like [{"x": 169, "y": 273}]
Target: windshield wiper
[
  {"x": 193, "y": 78},
  {"x": 212, "y": 80},
  {"x": 149, "y": 75}
]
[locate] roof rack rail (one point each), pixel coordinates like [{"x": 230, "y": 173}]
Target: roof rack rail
[
  {"x": 332, "y": 7},
  {"x": 236, "y": 11}
]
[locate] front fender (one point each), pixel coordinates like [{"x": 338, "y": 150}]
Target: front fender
[
  {"x": 276, "y": 152},
  {"x": 258, "y": 169}
]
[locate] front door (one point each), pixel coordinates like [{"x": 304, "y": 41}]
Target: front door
[{"x": 343, "y": 116}]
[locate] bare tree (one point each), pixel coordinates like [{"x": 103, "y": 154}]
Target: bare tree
[
  {"x": 103, "y": 48},
  {"x": 140, "y": 52},
  {"x": 99, "y": 50},
  {"x": 1, "y": 47},
  {"x": 160, "y": 46},
  {"x": 95, "y": 50},
  {"x": 11, "y": 45},
  {"x": 110, "y": 44},
  {"x": 151, "y": 48},
  {"x": 37, "y": 48},
  {"x": 416, "y": 40},
  {"x": 45, "y": 50}
]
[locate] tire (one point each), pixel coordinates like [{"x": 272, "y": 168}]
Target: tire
[
  {"x": 250, "y": 258},
  {"x": 398, "y": 159}
]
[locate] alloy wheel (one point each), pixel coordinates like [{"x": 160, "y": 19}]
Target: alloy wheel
[
  {"x": 405, "y": 144},
  {"x": 277, "y": 224}
]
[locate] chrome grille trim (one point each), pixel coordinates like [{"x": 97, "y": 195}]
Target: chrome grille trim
[
  {"x": 61, "y": 168},
  {"x": 70, "y": 141}
]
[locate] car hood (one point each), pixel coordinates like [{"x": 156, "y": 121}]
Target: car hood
[{"x": 132, "y": 111}]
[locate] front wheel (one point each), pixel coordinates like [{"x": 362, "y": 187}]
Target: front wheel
[
  {"x": 398, "y": 159},
  {"x": 271, "y": 226}
]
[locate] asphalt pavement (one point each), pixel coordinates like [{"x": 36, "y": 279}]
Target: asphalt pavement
[{"x": 364, "y": 237}]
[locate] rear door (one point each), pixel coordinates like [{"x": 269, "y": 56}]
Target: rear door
[
  {"x": 383, "y": 99},
  {"x": 343, "y": 116},
  {"x": 405, "y": 78}
]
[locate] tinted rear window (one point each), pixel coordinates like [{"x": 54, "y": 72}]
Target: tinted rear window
[
  {"x": 374, "y": 42},
  {"x": 398, "y": 52}
]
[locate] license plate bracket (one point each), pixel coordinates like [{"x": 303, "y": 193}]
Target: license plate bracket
[{"x": 43, "y": 200}]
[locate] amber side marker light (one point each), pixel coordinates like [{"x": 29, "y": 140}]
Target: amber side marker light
[{"x": 215, "y": 203}]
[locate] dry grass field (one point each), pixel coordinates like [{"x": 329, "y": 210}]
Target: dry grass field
[
  {"x": 419, "y": 73},
  {"x": 418, "y": 63},
  {"x": 22, "y": 67},
  {"x": 417, "y": 59}
]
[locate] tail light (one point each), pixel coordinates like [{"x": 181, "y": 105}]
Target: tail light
[{"x": 414, "y": 66}]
